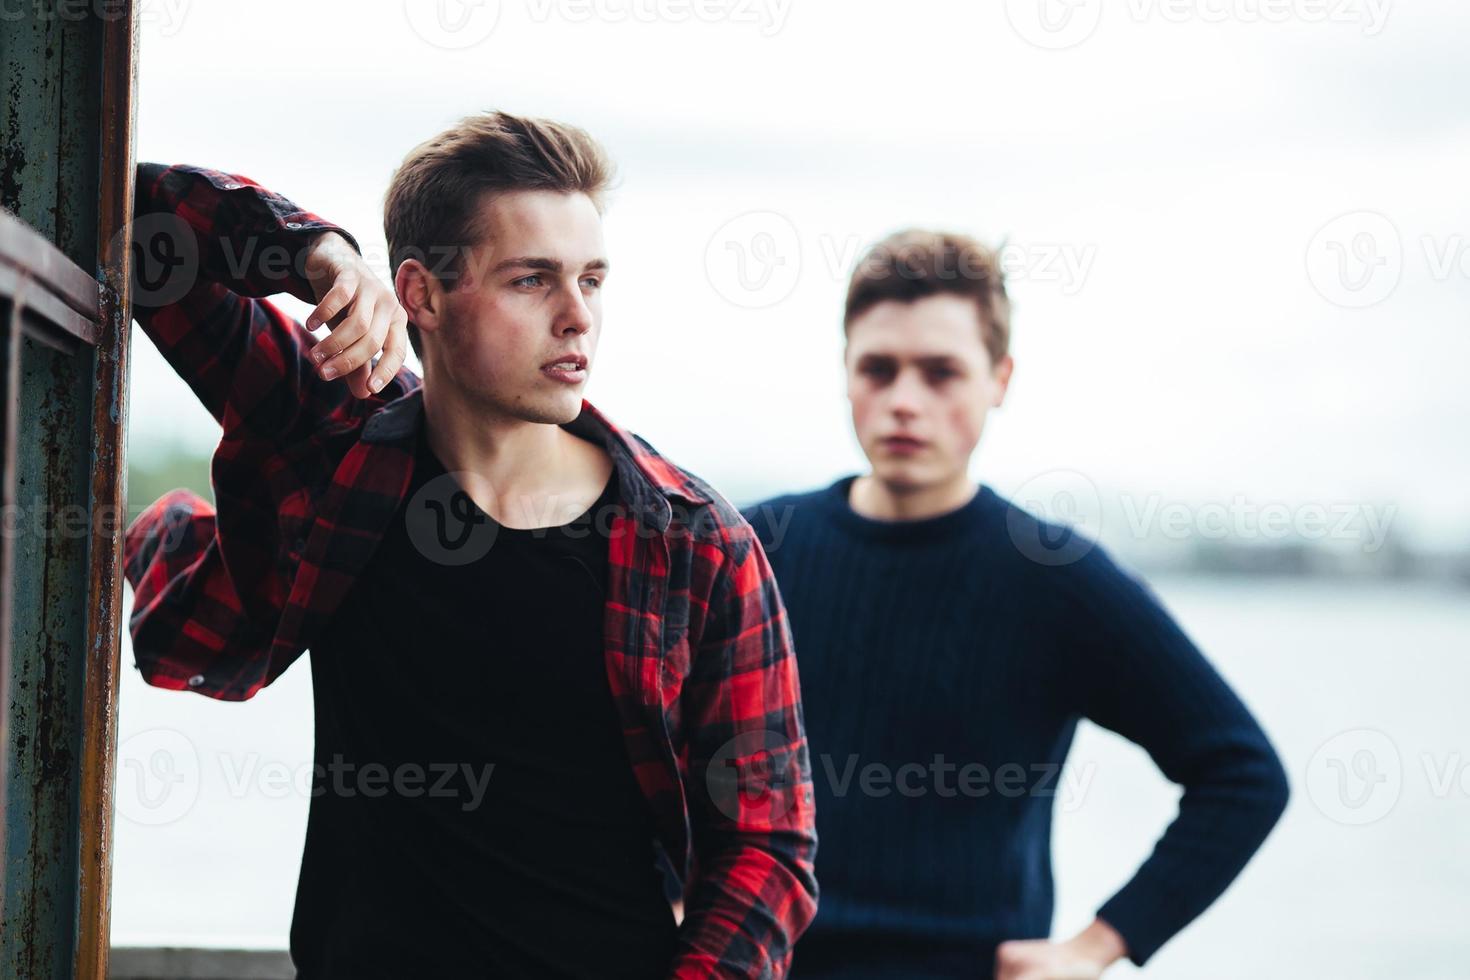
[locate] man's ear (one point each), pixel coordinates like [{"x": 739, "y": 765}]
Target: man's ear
[
  {"x": 420, "y": 294},
  {"x": 1002, "y": 372}
]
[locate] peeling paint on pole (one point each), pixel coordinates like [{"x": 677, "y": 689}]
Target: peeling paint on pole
[{"x": 67, "y": 77}]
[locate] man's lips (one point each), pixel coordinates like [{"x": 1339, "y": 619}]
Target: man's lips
[
  {"x": 570, "y": 369},
  {"x": 902, "y": 444}
]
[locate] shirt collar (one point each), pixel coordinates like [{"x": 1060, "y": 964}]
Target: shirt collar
[{"x": 650, "y": 482}]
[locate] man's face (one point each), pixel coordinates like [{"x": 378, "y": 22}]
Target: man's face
[
  {"x": 521, "y": 325},
  {"x": 921, "y": 382}
]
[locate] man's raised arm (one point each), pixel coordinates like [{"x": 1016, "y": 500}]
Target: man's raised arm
[{"x": 206, "y": 246}]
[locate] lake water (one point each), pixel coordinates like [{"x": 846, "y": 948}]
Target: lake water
[{"x": 1361, "y": 686}]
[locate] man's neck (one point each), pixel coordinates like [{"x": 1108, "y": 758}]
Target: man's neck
[
  {"x": 872, "y": 498},
  {"x": 523, "y": 474}
]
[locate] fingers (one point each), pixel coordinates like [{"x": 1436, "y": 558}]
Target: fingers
[
  {"x": 357, "y": 381},
  {"x": 335, "y": 300},
  {"x": 1018, "y": 959},
  {"x": 359, "y": 337},
  {"x": 354, "y": 301},
  {"x": 328, "y": 355},
  {"x": 1031, "y": 960},
  {"x": 369, "y": 320},
  {"x": 395, "y": 349},
  {"x": 353, "y": 342}
]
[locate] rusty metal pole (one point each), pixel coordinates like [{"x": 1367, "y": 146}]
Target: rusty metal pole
[
  {"x": 66, "y": 170},
  {"x": 108, "y": 493}
]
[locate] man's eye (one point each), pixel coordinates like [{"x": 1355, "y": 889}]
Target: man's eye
[
  {"x": 595, "y": 282},
  {"x": 942, "y": 374},
  {"x": 877, "y": 371},
  {"x": 534, "y": 279}
]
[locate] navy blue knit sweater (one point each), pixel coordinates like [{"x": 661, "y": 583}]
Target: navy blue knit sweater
[{"x": 944, "y": 665}]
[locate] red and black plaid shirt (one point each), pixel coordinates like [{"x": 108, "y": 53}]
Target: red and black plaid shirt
[{"x": 306, "y": 478}]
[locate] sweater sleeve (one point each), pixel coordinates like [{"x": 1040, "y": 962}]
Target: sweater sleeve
[{"x": 1136, "y": 673}]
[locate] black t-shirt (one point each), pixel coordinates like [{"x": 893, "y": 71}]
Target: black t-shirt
[{"x": 474, "y": 812}]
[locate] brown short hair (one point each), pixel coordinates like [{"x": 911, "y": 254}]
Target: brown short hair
[
  {"x": 432, "y": 208},
  {"x": 912, "y": 264}
]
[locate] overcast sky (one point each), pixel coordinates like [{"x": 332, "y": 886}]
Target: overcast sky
[{"x": 1239, "y": 230}]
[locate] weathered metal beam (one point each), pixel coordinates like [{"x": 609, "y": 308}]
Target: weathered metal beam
[
  {"x": 109, "y": 494},
  {"x": 66, "y": 170},
  {"x": 10, "y": 334}
]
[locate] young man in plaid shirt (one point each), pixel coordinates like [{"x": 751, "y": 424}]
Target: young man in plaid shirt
[{"x": 545, "y": 658}]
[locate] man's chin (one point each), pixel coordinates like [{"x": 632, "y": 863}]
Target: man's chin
[
  {"x": 541, "y": 406},
  {"x": 906, "y": 475},
  {"x": 553, "y": 411},
  {"x": 897, "y": 471}
]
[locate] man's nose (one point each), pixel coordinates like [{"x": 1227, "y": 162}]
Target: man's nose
[
  {"x": 906, "y": 397},
  {"x": 575, "y": 315}
]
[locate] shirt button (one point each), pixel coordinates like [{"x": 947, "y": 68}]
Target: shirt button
[
  {"x": 196, "y": 680},
  {"x": 293, "y": 225},
  {"x": 299, "y": 544}
]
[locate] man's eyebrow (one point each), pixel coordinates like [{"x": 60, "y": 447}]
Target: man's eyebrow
[
  {"x": 925, "y": 362},
  {"x": 924, "y": 359},
  {"x": 545, "y": 264}
]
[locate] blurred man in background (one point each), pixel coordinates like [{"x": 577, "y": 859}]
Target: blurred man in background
[{"x": 950, "y": 642}]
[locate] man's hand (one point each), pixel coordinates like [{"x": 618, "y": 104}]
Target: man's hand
[
  {"x": 1083, "y": 957},
  {"x": 368, "y": 316}
]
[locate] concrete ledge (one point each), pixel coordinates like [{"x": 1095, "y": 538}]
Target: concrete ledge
[{"x": 186, "y": 963}]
